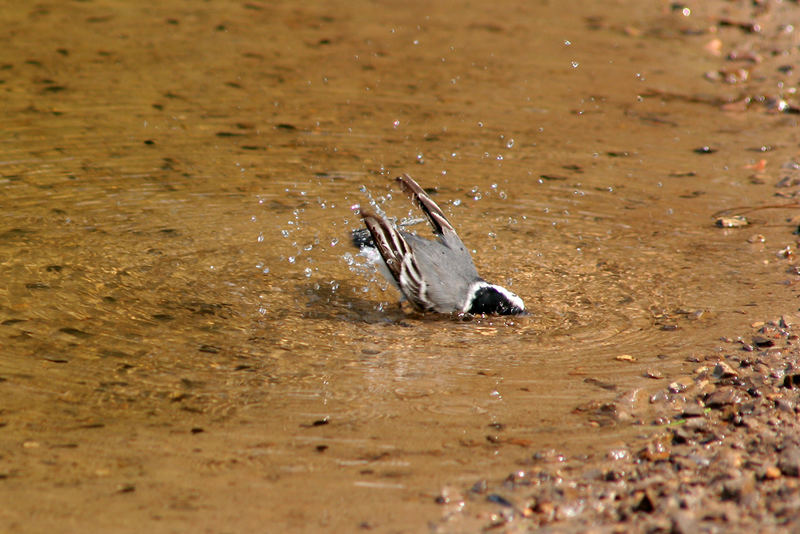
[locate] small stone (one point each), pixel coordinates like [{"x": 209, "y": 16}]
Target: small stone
[
  {"x": 789, "y": 461},
  {"x": 684, "y": 523},
  {"x": 705, "y": 150},
  {"x": 728, "y": 460},
  {"x": 735, "y": 221},
  {"x": 761, "y": 341},
  {"x": 791, "y": 380},
  {"x": 625, "y": 358},
  {"x": 772, "y": 473},
  {"x": 785, "y": 405},
  {"x": 653, "y": 373},
  {"x": 724, "y": 397},
  {"x": 788, "y": 181},
  {"x": 723, "y": 370},
  {"x": 679, "y": 386},
  {"x": 658, "y": 397},
  {"x": 657, "y": 450},
  {"x": 692, "y": 410},
  {"x": 682, "y": 435}
]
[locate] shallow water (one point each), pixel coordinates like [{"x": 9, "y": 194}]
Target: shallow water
[{"x": 188, "y": 338}]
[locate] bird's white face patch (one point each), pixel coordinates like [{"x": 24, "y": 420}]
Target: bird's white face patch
[{"x": 512, "y": 297}]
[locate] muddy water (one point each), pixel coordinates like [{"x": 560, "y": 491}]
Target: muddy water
[{"x": 189, "y": 342}]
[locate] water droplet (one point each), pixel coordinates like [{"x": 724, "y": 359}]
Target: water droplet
[
  {"x": 396, "y": 123},
  {"x": 334, "y": 241},
  {"x": 285, "y": 233},
  {"x": 307, "y": 272},
  {"x": 567, "y": 43},
  {"x": 266, "y": 270},
  {"x": 574, "y": 64},
  {"x": 291, "y": 259},
  {"x": 260, "y": 238},
  {"x": 456, "y": 202},
  {"x": 510, "y": 143}
]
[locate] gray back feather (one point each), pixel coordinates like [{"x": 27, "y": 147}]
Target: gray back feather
[{"x": 444, "y": 259}]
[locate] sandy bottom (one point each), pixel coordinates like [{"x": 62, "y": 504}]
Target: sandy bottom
[{"x": 189, "y": 342}]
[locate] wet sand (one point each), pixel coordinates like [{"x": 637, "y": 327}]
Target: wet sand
[{"x": 189, "y": 343}]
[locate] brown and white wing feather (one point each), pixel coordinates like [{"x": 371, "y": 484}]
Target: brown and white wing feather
[
  {"x": 418, "y": 196},
  {"x": 399, "y": 259}
]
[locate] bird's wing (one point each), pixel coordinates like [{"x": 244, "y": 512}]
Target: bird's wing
[
  {"x": 399, "y": 259},
  {"x": 441, "y": 226}
]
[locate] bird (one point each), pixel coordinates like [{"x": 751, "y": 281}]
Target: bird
[{"x": 433, "y": 275}]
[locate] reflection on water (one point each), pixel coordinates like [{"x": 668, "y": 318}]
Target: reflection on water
[{"x": 185, "y": 326}]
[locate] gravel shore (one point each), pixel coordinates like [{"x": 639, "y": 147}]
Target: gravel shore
[{"x": 725, "y": 455}]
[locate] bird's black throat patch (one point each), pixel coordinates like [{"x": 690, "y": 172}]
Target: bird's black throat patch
[{"x": 488, "y": 300}]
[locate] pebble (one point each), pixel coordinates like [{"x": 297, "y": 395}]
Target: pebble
[
  {"x": 653, "y": 373},
  {"x": 693, "y": 410},
  {"x": 724, "y": 396},
  {"x": 723, "y": 370},
  {"x": 735, "y": 221},
  {"x": 772, "y": 473},
  {"x": 789, "y": 461}
]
